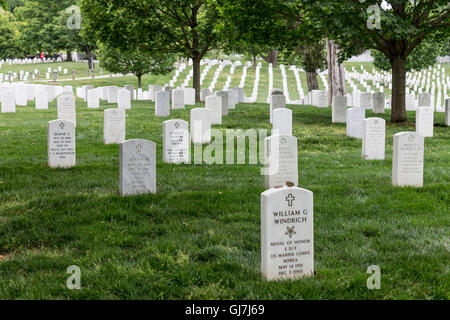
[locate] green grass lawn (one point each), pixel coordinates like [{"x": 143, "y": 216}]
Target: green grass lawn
[{"x": 199, "y": 236}]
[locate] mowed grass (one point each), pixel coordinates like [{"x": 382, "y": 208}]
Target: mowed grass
[{"x": 199, "y": 236}]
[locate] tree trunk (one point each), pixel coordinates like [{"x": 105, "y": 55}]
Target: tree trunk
[
  {"x": 272, "y": 57},
  {"x": 311, "y": 79},
  {"x": 254, "y": 61},
  {"x": 139, "y": 76},
  {"x": 196, "y": 77},
  {"x": 336, "y": 72},
  {"x": 398, "y": 109},
  {"x": 69, "y": 55}
]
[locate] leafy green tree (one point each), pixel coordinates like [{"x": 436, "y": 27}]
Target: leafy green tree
[
  {"x": 396, "y": 31},
  {"x": 185, "y": 27},
  {"x": 9, "y": 34},
  {"x": 135, "y": 61}
]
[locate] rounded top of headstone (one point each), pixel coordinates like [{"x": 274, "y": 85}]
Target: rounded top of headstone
[{"x": 277, "y": 92}]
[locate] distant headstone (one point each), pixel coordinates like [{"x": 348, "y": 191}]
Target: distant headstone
[
  {"x": 114, "y": 126},
  {"x": 86, "y": 90},
  {"x": 137, "y": 167},
  {"x": 365, "y": 100},
  {"x": 224, "y": 95},
  {"x": 408, "y": 159},
  {"x": 162, "y": 104},
  {"x": 113, "y": 94},
  {"x": 378, "y": 102},
  {"x": 241, "y": 95},
  {"x": 447, "y": 112},
  {"x": 204, "y": 93},
  {"x": 67, "y": 109},
  {"x": 280, "y": 160},
  {"x": 425, "y": 121},
  {"x": 276, "y": 101},
  {"x": 61, "y": 144},
  {"x": 8, "y": 102},
  {"x": 189, "y": 96},
  {"x": 322, "y": 99},
  {"x": 339, "y": 109},
  {"x": 41, "y": 100},
  {"x": 214, "y": 105},
  {"x": 282, "y": 121},
  {"x": 93, "y": 100},
  {"x": 200, "y": 126},
  {"x": 176, "y": 141},
  {"x": 124, "y": 99},
  {"x": 177, "y": 99},
  {"x": 287, "y": 233},
  {"x": 424, "y": 99},
  {"x": 410, "y": 102},
  {"x": 132, "y": 90},
  {"x": 232, "y": 98},
  {"x": 355, "y": 119},
  {"x": 374, "y": 136}
]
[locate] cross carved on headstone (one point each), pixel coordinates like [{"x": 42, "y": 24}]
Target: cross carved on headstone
[{"x": 290, "y": 199}]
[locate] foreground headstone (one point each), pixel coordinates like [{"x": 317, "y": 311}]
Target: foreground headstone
[
  {"x": 114, "y": 126},
  {"x": 287, "y": 233},
  {"x": 61, "y": 144},
  {"x": 407, "y": 162},
  {"x": 176, "y": 141},
  {"x": 355, "y": 119},
  {"x": 162, "y": 104},
  {"x": 282, "y": 121},
  {"x": 200, "y": 126},
  {"x": 124, "y": 99},
  {"x": 67, "y": 109},
  {"x": 214, "y": 105},
  {"x": 137, "y": 167},
  {"x": 378, "y": 102},
  {"x": 280, "y": 160},
  {"x": 339, "y": 109},
  {"x": 374, "y": 137},
  {"x": 177, "y": 99},
  {"x": 425, "y": 121}
]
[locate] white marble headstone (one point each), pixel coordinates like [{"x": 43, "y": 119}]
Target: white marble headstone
[
  {"x": 280, "y": 160},
  {"x": 113, "y": 94},
  {"x": 408, "y": 159},
  {"x": 93, "y": 100},
  {"x": 162, "y": 104},
  {"x": 425, "y": 121},
  {"x": 177, "y": 99},
  {"x": 287, "y": 233},
  {"x": 176, "y": 141},
  {"x": 61, "y": 144},
  {"x": 214, "y": 105},
  {"x": 339, "y": 109},
  {"x": 67, "y": 108},
  {"x": 200, "y": 126},
  {"x": 124, "y": 99},
  {"x": 365, "y": 100},
  {"x": 282, "y": 121},
  {"x": 355, "y": 119},
  {"x": 114, "y": 126},
  {"x": 374, "y": 137},
  {"x": 276, "y": 101},
  {"x": 8, "y": 102},
  {"x": 137, "y": 167},
  {"x": 224, "y": 95},
  {"x": 378, "y": 102},
  {"x": 189, "y": 96},
  {"x": 41, "y": 101}
]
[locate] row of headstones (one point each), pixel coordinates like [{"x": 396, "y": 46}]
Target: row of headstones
[{"x": 287, "y": 211}]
